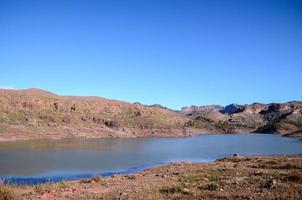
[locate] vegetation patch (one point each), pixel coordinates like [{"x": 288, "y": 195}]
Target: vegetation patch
[
  {"x": 95, "y": 179},
  {"x": 172, "y": 189},
  {"x": 293, "y": 177},
  {"x": 211, "y": 186},
  {"x": 179, "y": 188},
  {"x": 5, "y": 194}
]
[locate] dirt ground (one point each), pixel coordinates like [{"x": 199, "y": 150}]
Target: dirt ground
[{"x": 229, "y": 178}]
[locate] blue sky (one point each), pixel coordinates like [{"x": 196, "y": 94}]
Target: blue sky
[{"x": 172, "y": 52}]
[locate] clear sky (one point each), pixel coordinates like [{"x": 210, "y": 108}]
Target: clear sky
[{"x": 172, "y": 52}]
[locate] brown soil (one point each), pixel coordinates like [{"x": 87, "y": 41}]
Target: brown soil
[{"x": 278, "y": 177}]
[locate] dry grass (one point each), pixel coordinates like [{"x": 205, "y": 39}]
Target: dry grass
[{"x": 5, "y": 193}]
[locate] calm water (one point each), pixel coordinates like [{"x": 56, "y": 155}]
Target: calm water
[{"x": 40, "y": 161}]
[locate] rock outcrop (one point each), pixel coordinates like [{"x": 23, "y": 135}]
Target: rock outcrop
[{"x": 283, "y": 118}]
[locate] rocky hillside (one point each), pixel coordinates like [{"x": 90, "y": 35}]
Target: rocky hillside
[
  {"x": 35, "y": 114},
  {"x": 283, "y": 118}
]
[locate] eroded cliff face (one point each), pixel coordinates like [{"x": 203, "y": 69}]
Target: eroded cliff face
[
  {"x": 283, "y": 118},
  {"x": 36, "y": 114}
]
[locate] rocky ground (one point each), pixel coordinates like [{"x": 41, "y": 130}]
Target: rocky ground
[
  {"x": 39, "y": 114},
  {"x": 278, "y": 177}
]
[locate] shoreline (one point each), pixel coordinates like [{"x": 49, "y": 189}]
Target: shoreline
[
  {"x": 59, "y": 134},
  {"x": 177, "y": 133},
  {"x": 250, "y": 177},
  {"x": 43, "y": 179},
  {"x": 40, "y": 179}
]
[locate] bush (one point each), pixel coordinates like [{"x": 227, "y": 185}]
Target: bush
[
  {"x": 172, "y": 189},
  {"x": 212, "y": 186},
  {"x": 95, "y": 179},
  {"x": 39, "y": 189},
  {"x": 5, "y": 194}
]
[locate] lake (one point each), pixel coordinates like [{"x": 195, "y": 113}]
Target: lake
[{"x": 39, "y": 161}]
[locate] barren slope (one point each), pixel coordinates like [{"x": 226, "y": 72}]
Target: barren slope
[{"x": 36, "y": 113}]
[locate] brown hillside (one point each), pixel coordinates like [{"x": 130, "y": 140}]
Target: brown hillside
[{"x": 36, "y": 113}]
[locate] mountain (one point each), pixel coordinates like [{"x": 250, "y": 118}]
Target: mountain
[
  {"x": 194, "y": 109},
  {"x": 39, "y": 114},
  {"x": 35, "y": 113},
  {"x": 283, "y": 118}
]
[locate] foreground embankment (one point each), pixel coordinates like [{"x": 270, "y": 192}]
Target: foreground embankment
[{"x": 274, "y": 177}]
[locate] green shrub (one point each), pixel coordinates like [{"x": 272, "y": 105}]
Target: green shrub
[
  {"x": 212, "y": 186},
  {"x": 172, "y": 189}
]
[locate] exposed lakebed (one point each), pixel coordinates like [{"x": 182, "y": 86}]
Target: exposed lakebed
[{"x": 39, "y": 161}]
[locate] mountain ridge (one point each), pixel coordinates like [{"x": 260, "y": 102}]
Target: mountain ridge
[{"x": 39, "y": 114}]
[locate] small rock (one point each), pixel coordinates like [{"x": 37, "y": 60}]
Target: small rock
[
  {"x": 123, "y": 193},
  {"x": 176, "y": 173},
  {"x": 186, "y": 191},
  {"x": 274, "y": 182},
  {"x": 270, "y": 184},
  {"x": 131, "y": 177}
]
